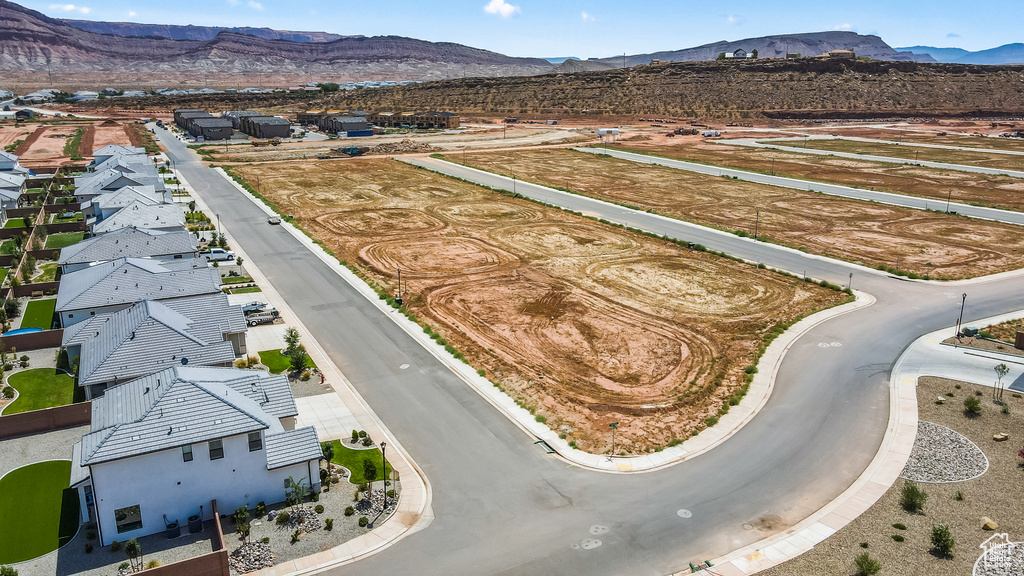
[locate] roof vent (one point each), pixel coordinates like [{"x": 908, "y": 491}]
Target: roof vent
[{"x": 146, "y": 391}]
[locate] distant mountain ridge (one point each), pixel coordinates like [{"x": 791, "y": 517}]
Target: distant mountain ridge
[
  {"x": 1005, "y": 54},
  {"x": 33, "y": 42},
  {"x": 201, "y": 33},
  {"x": 776, "y": 46}
]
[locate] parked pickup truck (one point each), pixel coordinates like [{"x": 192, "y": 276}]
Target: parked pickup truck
[{"x": 218, "y": 254}]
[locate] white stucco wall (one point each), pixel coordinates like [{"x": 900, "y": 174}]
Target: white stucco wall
[{"x": 161, "y": 483}]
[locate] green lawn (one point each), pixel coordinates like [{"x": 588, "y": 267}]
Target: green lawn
[
  {"x": 39, "y": 313},
  {"x": 38, "y": 512},
  {"x": 58, "y": 220},
  {"x": 56, "y": 241},
  {"x": 48, "y": 273},
  {"x": 235, "y": 280},
  {"x": 353, "y": 460},
  {"x": 7, "y": 247},
  {"x": 246, "y": 290},
  {"x": 40, "y": 388},
  {"x": 14, "y": 223},
  {"x": 278, "y": 362}
]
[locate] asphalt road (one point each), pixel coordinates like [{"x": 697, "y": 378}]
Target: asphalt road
[
  {"x": 830, "y": 189},
  {"x": 504, "y": 507}
]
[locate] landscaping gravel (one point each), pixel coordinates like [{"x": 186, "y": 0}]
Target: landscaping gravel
[
  {"x": 995, "y": 494},
  {"x": 943, "y": 455}
]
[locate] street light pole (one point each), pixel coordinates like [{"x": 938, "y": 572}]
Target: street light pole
[
  {"x": 948, "y": 198},
  {"x": 384, "y": 470},
  {"x": 961, "y": 318},
  {"x": 773, "y": 166}
]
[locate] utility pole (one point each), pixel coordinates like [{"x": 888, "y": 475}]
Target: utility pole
[{"x": 773, "y": 166}]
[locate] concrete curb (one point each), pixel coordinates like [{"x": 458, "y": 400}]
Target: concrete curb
[
  {"x": 728, "y": 425},
  {"x": 414, "y": 512}
]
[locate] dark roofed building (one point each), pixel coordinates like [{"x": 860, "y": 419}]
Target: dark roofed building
[
  {"x": 211, "y": 128},
  {"x": 267, "y": 127}
]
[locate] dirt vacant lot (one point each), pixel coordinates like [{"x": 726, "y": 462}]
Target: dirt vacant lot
[
  {"x": 11, "y": 133},
  {"x": 965, "y": 187},
  {"x": 911, "y": 152},
  {"x": 938, "y": 245},
  {"x": 921, "y": 136},
  {"x": 581, "y": 322},
  {"x": 995, "y": 494}
]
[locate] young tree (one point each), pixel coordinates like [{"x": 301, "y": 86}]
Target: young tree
[
  {"x": 192, "y": 206},
  {"x": 328, "y": 449},
  {"x": 942, "y": 540},
  {"x": 298, "y": 358},
  {"x": 1001, "y": 370},
  {"x": 291, "y": 340},
  {"x": 370, "y": 473},
  {"x": 296, "y": 491},
  {"x": 242, "y": 523},
  {"x": 134, "y": 551}
]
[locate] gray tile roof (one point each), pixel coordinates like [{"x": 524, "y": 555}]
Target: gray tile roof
[
  {"x": 112, "y": 149},
  {"x": 292, "y": 447},
  {"x": 107, "y": 180},
  {"x": 8, "y": 156},
  {"x": 120, "y": 198},
  {"x": 129, "y": 243},
  {"x": 184, "y": 405},
  {"x": 144, "y": 337},
  {"x": 229, "y": 317},
  {"x": 140, "y": 215},
  {"x": 128, "y": 280},
  {"x": 270, "y": 120}
]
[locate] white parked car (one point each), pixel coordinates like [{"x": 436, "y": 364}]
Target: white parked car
[{"x": 219, "y": 254}]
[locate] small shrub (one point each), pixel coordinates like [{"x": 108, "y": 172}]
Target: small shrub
[
  {"x": 866, "y": 565},
  {"x": 977, "y": 393},
  {"x": 355, "y": 435},
  {"x": 123, "y": 566},
  {"x": 540, "y": 418},
  {"x": 23, "y": 363},
  {"x": 912, "y": 498},
  {"x": 305, "y": 375},
  {"x": 363, "y": 521},
  {"x": 957, "y": 386},
  {"x": 572, "y": 444},
  {"x": 261, "y": 508},
  {"x": 958, "y": 495},
  {"x": 282, "y": 518},
  {"x": 391, "y": 493},
  {"x": 863, "y": 544},
  {"x": 8, "y": 392},
  {"x": 367, "y": 441},
  {"x": 481, "y": 372},
  {"x": 898, "y": 538},
  {"x": 899, "y": 526},
  {"x": 319, "y": 509},
  {"x": 711, "y": 421},
  {"x": 349, "y": 511},
  {"x": 362, "y": 433},
  {"x": 942, "y": 540},
  {"x": 328, "y": 524},
  {"x": 950, "y": 394},
  {"x": 295, "y": 536},
  {"x": 153, "y": 564},
  {"x": 265, "y": 539},
  {"x": 750, "y": 369},
  {"x": 1005, "y": 409},
  {"x": 115, "y": 546},
  {"x": 88, "y": 548},
  {"x": 972, "y": 406},
  {"x": 23, "y": 358}
]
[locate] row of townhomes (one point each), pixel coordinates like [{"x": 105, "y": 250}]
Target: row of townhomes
[
  {"x": 173, "y": 425},
  {"x": 12, "y": 183}
]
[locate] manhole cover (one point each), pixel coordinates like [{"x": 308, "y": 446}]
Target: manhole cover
[
  {"x": 597, "y": 530},
  {"x": 684, "y": 513},
  {"x": 748, "y": 527},
  {"x": 403, "y": 366},
  {"x": 590, "y": 543}
]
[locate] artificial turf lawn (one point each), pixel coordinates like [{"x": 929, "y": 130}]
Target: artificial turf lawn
[
  {"x": 56, "y": 241},
  {"x": 246, "y": 290},
  {"x": 38, "y": 512},
  {"x": 39, "y": 314},
  {"x": 40, "y": 388},
  {"x": 15, "y": 223},
  {"x": 278, "y": 362},
  {"x": 353, "y": 460}
]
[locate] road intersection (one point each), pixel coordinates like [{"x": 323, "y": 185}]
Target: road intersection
[{"x": 503, "y": 506}]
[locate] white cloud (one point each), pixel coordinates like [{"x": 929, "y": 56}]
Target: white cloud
[
  {"x": 952, "y": 35},
  {"x": 70, "y": 8},
  {"x": 132, "y": 14},
  {"x": 587, "y": 17},
  {"x": 502, "y": 8},
  {"x": 843, "y": 27},
  {"x": 734, "y": 19},
  {"x": 255, "y": 5}
]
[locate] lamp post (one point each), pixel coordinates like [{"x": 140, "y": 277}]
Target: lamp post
[
  {"x": 384, "y": 470},
  {"x": 961, "y": 318}
]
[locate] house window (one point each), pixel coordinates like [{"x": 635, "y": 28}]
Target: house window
[
  {"x": 186, "y": 453},
  {"x": 255, "y": 441},
  {"x": 177, "y": 256},
  {"x": 216, "y": 449},
  {"x": 128, "y": 519}
]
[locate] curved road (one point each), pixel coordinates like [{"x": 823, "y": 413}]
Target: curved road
[{"x": 504, "y": 507}]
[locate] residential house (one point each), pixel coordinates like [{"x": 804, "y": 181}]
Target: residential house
[
  {"x": 9, "y": 163},
  {"x": 236, "y": 116},
  {"x": 105, "y": 205},
  {"x": 210, "y": 128},
  {"x": 117, "y": 284},
  {"x": 157, "y": 245},
  {"x": 150, "y": 335},
  {"x": 267, "y": 126},
  {"x": 12, "y": 186},
  {"x": 112, "y": 150},
  {"x": 163, "y": 446},
  {"x": 141, "y": 214},
  {"x": 94, "y": 184}
]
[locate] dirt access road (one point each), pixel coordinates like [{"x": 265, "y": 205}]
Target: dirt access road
[
  {"x": 938, "y": 245},
  {"x": 581, "y": 322}
]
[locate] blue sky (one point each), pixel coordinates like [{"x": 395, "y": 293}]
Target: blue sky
[{"x": 592, "y": 28}]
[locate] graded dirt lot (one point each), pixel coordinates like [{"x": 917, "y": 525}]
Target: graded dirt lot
[
  {"x": 583, "y": 323},
  {"x": 995, "y": 494},
  {"x": 939, "y": 245},
  {"x": 923, "y": 135},
  {"x": 106, "y": 133},
  {"x": 965, "y": 187},
  {"x": 911, "y": 152},
  {"x": 48, "y": 148},
  {"x": 11, "y": 133}
]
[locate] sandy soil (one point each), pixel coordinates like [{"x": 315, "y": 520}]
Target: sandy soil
[
  {"x": 49, "y": 148},
  {"x": 1007, "y": 331},
  {"x": 995, "y": 494},
  {"x": 109, "y": 132},
  {"x": 910, "y": 152},
  {"x": 872, "y": 234},
  {"x": 964, "y": 187},
  {"x": 10, "y": 132},
  {"x": 583, "y": 323}
]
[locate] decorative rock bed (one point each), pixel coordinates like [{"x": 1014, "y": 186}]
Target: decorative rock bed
[
  {"x": 943, "y": 455},
  {"x": 251, "y": 557}
]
